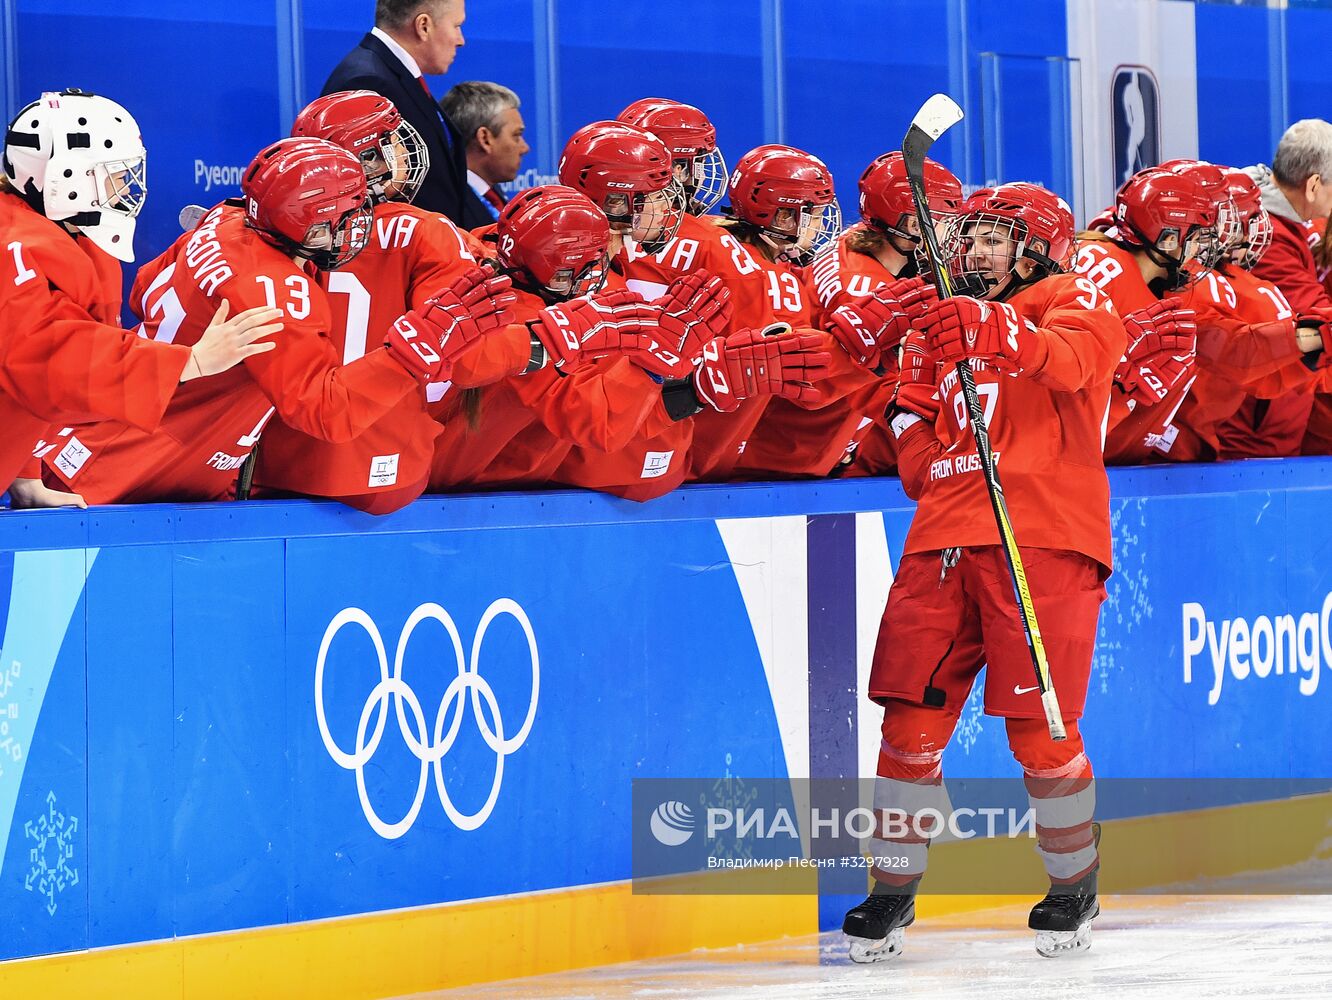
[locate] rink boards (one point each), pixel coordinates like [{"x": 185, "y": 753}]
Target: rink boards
[{"x": 291, "y": 742}]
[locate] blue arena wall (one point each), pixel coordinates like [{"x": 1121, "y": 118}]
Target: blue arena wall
[
  {"x": 212, "y": 82},
  {"x": 194, "y": 726}
]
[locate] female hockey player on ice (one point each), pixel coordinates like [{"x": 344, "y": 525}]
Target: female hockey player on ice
[
  {"x": 73, "y": 186},
  {"x": 1043, "y": 345},
  {"x": 304, "y": 208}
]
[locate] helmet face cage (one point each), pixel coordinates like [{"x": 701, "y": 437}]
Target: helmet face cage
[
  {"x": 1217, "y": 240},
  {"x": 331, "y": 245},
  {"x": 801, "y": 234},
  {"x": 568, "y": 284},
  {"x": 651, "y": 219},
  {"x": 1257, "y": 236},
  {"x": 982, "y": 250},
  {"x": 943, "y": 228},
  {"x": 122, "y": 185},
  {"x": 703, "y": 177},
  {"x": 406, "y": 161}
]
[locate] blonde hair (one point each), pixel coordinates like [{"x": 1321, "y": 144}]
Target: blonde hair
[{"x": 866, "y": 240}]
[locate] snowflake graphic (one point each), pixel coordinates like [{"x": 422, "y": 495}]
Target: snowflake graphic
[
  {"x": 733, "y": 794},
  {"x": 10, "y": 750},
  {"x": 1128, "y": 603},
  {"x": 971, "y": 722},
  {"x": 49, "y": 869}
]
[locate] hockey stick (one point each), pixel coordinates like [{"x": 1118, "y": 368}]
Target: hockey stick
[
  {"x": 935, "y": 117},
  {"x": 189, "y": 217}
]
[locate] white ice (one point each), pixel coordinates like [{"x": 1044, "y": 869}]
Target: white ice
[{"x": 1143, "y": 948}]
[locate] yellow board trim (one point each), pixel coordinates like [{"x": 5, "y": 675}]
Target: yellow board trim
[{"x": 440, "y": 947}]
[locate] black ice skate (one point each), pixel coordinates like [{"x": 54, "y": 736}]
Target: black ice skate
[
  {"x": 875, "y": 927},
  {"x": 1062, "y": 920}
]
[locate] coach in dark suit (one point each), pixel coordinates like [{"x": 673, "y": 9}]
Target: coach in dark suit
[
  {"x": 412, "y": 37},
  {"x": 486, "y": 115}
]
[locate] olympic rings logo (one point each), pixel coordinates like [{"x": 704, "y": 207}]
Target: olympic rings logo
[{"x": 428, "y": 746}]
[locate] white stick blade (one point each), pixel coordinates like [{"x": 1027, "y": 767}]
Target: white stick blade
[
  {"x": 937, "y": 115},
  {"x": 190, "y": 215}
]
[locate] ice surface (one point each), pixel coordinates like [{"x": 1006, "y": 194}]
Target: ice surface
[{"x": 1143, "y": 948}]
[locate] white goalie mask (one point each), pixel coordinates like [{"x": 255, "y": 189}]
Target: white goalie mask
[{"x": 78, "y": 158}]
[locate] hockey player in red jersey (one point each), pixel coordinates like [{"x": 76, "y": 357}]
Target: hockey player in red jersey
[
  {"x": 783, "y": 213},
  {"x": 868, "y": 292},
  {"x": 1250, "y": 348},
  {"x": 523, "y": 429},
  {"x": 73, "y": 185},
  {"x": 1164, "y": 222},
  {"x": 1043, "y": 345},
  {"x": 304, "y": 207},
  {"x": 699, "y": 169},
  {"x": 697, "y": 163},
  {"x": 410, "y": 254},
  {"x": 736, "y": 370},
  {"x": 1272, "y": 420}
]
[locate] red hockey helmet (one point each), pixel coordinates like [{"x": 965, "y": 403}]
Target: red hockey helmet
[
  {"x": 1212, "y": 179},
  {"x": 787, "y": 195},
  {"x": 886, "y": 203},
  {"x": 558, "y": 238},
  {"x": 309, "y": 198},
  {"x": 370, "y": 127},
  {"x": 1255, "y": 225},
  {"x": 996, "y": 228},
  {"x": 1168, "y": 215},
  {"x": 692, "y": 140},
  {"x": 628, "y": 173}
]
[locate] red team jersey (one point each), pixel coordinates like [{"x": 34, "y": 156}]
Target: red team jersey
[
  {"x": 1046, "y": 428},
  {"x": 519, "y": 429},
  {"x": 1246, "y": 351},
  {"x": 412, "y": 255},
  {"x": 60, "y": 360},
  {"x": 795, "y": 439},
  {"x": 1135, "y": 433},
  {"x": 762, "y": 292},
  {"x": 212, "y": 424}
]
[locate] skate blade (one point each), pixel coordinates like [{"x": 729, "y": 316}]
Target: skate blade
[
  {"x": 1056, "y": 944},
  {"x": 866, "y": 951}
]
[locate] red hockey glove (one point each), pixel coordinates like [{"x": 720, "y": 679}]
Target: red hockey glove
[
  {"x": 695, "y": 309},
  {"x": 770, "y": 362},
  {"x": 917, "y": 389},
  {"x": 620, "y": 322},
  {"x": 1162, "y": 341},
  {"x": 868, "y": 327},
  {"x": 425, "y": 341},
  {"x": 597, "y": 325},
  {"x": 960, "y": 328},
  {"x": 914, "y": 296}
]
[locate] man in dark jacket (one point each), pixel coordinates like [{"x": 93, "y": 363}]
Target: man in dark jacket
[
  {"x": 1296, "y": 188},
  {"x": 486, "y": 115},
  {"x": 411, "y": 38}
]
